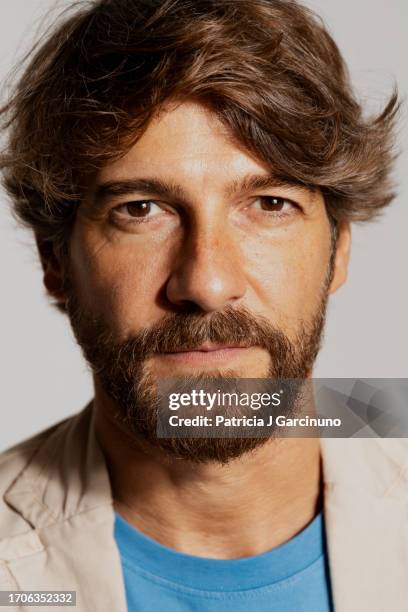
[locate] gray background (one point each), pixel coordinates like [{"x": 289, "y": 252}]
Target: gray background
[{"x": 43, "y": 375}]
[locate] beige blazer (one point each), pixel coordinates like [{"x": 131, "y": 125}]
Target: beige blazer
[{"x": 56, "y": 520}]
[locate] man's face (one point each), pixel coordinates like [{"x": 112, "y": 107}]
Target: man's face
[{"x": 189, "y": 227}]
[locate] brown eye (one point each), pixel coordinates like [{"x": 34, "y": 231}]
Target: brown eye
[
  {"x": 274, "y": 204},
  {"x": 139, "y": 209}
]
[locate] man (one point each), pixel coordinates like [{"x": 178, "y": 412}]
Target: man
[{"x": 190, "y": 170}]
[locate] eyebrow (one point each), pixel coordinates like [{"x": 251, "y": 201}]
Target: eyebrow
[
  {"x": 149, "y": 186},
  {"x": 170, "y": 190},
  {"x": 255, "y": 182}
]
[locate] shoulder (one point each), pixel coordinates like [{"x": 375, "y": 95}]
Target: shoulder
[
  {"x": 373, "y": 464},
  {"x": 14, "y": 458}
]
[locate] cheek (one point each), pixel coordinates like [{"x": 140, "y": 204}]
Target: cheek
[
  {"x": 119, "y": 280},
  {"x": 288, "y": 274}
]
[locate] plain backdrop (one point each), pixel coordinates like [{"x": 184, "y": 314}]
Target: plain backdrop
[{"x": 43, "y": 375}]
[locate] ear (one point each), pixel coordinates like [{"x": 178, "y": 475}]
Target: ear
[
  {"x": 342, "y": 257},
  {"x": 52, "y": 269}
]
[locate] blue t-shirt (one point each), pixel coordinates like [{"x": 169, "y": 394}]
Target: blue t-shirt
[{"x": 293, "y": 576}]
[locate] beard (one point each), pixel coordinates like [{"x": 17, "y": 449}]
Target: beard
[{"x": 121, "y": 366}]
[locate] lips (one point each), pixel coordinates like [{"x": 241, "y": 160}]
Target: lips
[
  {"x": 206, "y": 354},
  {"x": 208, "y": 348}
]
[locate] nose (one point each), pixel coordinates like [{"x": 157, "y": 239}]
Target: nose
[{"x": 208, "y": 271}]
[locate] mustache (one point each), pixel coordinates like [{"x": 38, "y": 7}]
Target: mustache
[
  {"x": 175, "y": 331},
  {"x": 190, "y": 330}
]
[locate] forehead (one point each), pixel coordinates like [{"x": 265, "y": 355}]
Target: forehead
[{"x": 186, "y": 141}]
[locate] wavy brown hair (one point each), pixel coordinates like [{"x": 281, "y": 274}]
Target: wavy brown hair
[{"x": 268, "y": 68}]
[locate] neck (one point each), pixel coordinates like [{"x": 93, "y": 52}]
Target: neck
[{"x": 244, "y": 508}]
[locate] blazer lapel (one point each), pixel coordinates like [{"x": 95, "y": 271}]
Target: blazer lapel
[
  {"x": 365, "y": 504},
  {"x": 64, "y": 495}
]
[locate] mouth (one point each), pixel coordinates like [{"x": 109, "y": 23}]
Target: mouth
[
  {"x": 207, "y": 348},
  {"x": 207, "y": 353}
]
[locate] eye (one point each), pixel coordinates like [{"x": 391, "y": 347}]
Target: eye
[
  {"x": 138, "y": 209},
  {"x": 275, "y": 204}
]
